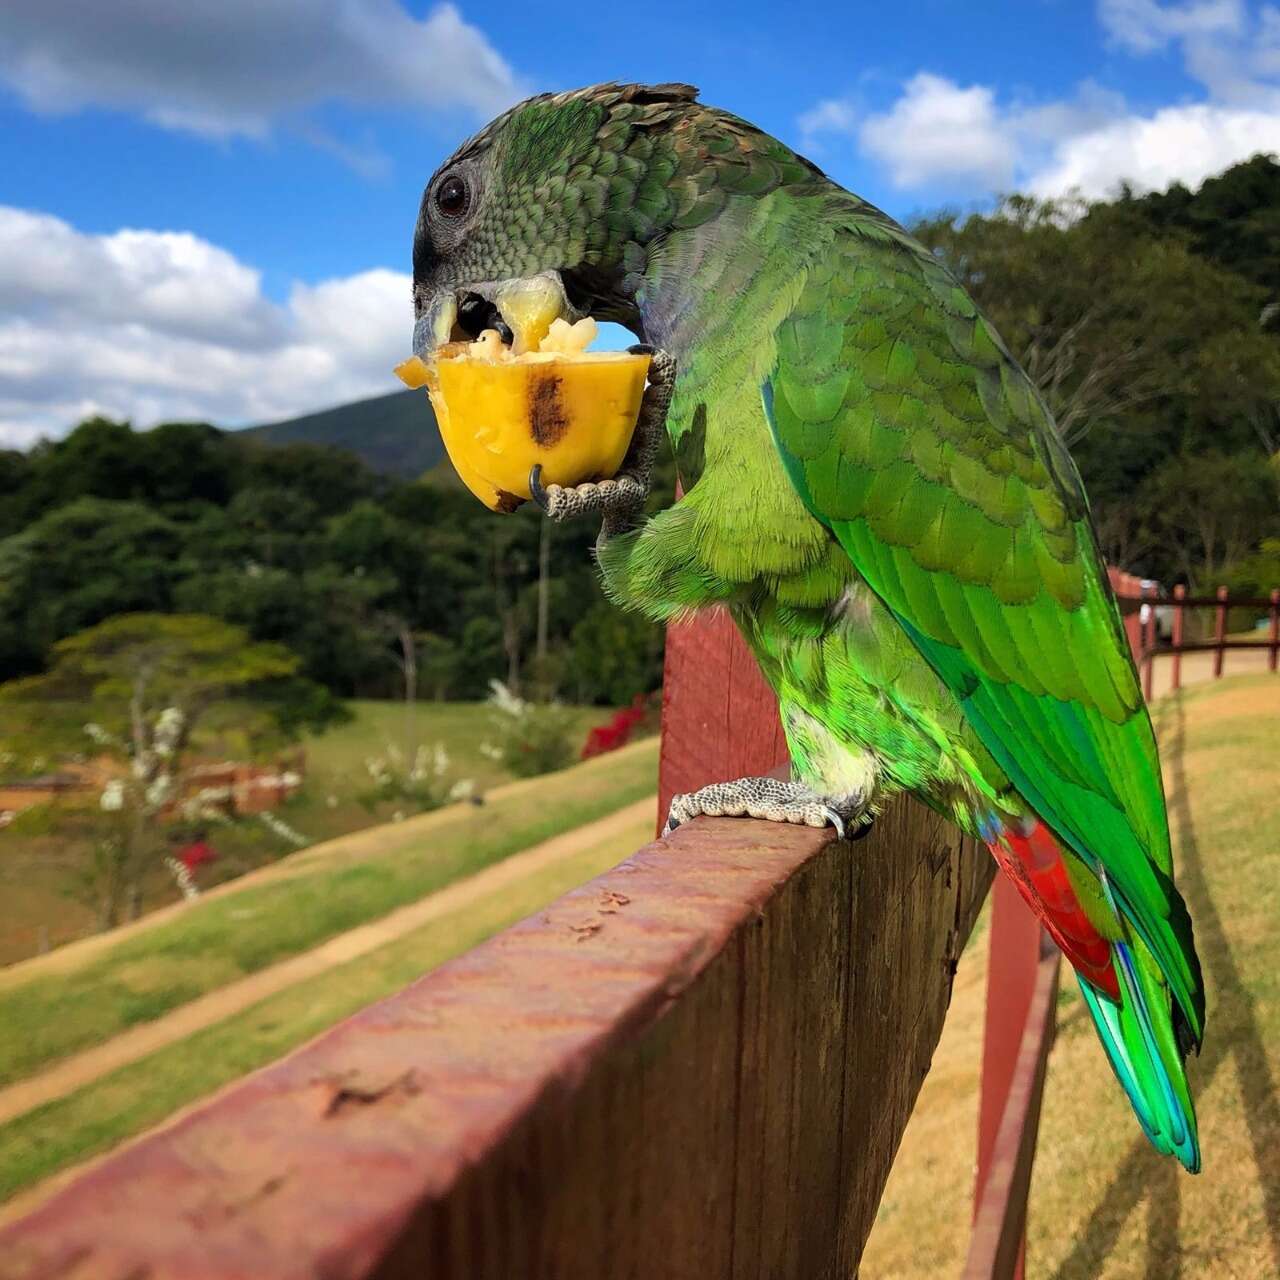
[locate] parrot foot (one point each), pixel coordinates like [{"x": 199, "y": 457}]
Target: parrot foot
[
  {"x": 774, "y": 801},
  {"x": 622, "y": 498}
]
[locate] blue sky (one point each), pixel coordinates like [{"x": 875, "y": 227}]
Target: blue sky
[{"x": 212, "y": 205}]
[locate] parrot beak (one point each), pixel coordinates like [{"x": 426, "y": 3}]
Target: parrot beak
[
  {"x": 463, "y": 313},
  {"x": 435, "y": 324}
]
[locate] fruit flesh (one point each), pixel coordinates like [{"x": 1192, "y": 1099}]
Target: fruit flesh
[
  {"x": 501, "y": 413},
  {"x": 531, "y": 307}
]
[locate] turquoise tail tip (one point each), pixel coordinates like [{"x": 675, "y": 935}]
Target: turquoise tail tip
[{"x": 1139, "y": 1039}]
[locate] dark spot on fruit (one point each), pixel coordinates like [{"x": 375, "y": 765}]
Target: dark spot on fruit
[
  {"x": 547, "y": 419},
  {"x": 508, "y": 502}
]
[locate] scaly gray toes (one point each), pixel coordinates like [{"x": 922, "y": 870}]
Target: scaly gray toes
[
  {"x": 768, "y": 798},
  {"x": 617, "y": 498}
]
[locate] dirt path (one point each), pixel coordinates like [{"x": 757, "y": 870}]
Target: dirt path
[
  {"x": 1198, "y": 667},
  {"x": 382, "y": 838},
  {"x": 71, "y": 1073}
]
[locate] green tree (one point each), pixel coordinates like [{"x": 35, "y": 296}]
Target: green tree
[
  {"x": 1214, "y": 508},
  {"x": 77, "y": 565},
  {"x": 1106, "y": 316},
  {"x": 439, "y": 662},
  {"x": 1233, "y": 219},
  {"x": 144, "y": 681},
  {"x": 1144, "y": 348},
  {"x": 615, "y": 655}
]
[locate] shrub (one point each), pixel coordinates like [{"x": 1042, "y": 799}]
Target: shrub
[{"x": 527, "y": 738}]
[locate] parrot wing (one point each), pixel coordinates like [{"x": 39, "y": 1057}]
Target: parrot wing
[{"x": 911, "y": 432}]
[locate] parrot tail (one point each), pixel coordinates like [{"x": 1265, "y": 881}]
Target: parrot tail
[
  {"x": 1138, "y": 1035},
  {"x": 1123, "y": 988}
]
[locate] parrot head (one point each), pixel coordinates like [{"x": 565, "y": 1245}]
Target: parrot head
[
  {"x": 554, "y": 188},
  {"x": 572, "y": 189}
]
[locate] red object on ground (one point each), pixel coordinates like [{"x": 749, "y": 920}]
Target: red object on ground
[
  {"x": 196, "y": 855},
  {"x": 608, "y": 737}
]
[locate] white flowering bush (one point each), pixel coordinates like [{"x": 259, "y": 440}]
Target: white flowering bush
[
  {"x": 183, "y": 878},
  {"x": 281, "y": 828},
  {"x": 527, "y": 738},
  {"x": 419, "y": 784}
]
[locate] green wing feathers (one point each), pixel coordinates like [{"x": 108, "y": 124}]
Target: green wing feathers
[{"x": 909, "y": 430}]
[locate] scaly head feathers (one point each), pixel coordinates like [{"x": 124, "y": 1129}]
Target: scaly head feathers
[{"x": 580, "y": 184}]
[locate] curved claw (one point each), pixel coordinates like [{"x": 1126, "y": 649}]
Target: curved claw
[
  {"x": 836, "y": 821},
  {"x": 640, "y": 349},
  {"x": 536, "y": 491}
]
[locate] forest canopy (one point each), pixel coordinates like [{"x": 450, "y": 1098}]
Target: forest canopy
[{"x": 1150, "y": 322}]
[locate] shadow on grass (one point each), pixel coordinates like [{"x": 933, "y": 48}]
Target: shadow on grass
[{"x": 1233, "y": 1032}]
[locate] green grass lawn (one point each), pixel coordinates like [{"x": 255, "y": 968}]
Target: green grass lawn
[
  {"x": 103, "y": 1113},
  {"x": 1103, "y": 1204},
  {"x": 219, "y": 940},
  {"x": 460, "y": 726},
  {"x": 38, "y": 854}
]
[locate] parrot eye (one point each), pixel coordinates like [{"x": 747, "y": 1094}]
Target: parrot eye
[{"x": 452, "y": 197}]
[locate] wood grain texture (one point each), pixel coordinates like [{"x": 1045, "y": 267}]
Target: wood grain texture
[
  {"x": 698, "y": 1065},
  {"x": 719, "y": 717}
]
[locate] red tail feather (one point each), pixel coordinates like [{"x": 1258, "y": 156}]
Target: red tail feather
[{"x": 1034, "y": 863}]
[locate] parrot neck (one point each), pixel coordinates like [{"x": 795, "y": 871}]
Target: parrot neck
[
  {"x": 670, "y": 303},
  {"x": 698, "y": 284},
  {"x": 714, "y": 297},
  {"x": 717, "y": 288}
]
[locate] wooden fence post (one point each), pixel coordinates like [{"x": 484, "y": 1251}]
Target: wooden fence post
[
  {"x": 998, "y": 1244},
  {"x": 1127, "y": 589},
  {"x": 1014, "y": 958},
  {"x": 719, "y": 717},
  {"x": 1148, "y": 643},
  {"x": 1179, "y": 611},
  {"x": 1275, "y": 629},
  {"x": 698, "y": 1066},
  {"x": 1220, "y": 632}
]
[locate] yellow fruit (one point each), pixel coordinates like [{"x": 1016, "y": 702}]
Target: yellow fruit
[{"x": 500, "y": 414}]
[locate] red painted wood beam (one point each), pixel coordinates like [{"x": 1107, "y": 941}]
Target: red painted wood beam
[
  {"x": 1179, "y": 624},
  {"x": 719, "y": 717},
  {"x": 997, "y": 1247},
  {"x": 1220, "y": 632},
  {"x": 1016, "y": 947}
]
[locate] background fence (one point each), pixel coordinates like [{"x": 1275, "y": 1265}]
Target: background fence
[{"x": 1156, "y": 624}]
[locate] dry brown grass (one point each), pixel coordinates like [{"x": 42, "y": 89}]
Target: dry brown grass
[{"x": 1102, "y": 1203}]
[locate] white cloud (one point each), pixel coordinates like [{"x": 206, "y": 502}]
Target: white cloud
[
  {"x": 830, "y": 116},
  {"x": 152, "y": 325},
  {"x": 237, "y": 66},
  {"x": 1177, "y": 144},
  {"x": 1231, "y": 50},
  {"x": 1144, "y": 26},
  {"x": 967, "y": 140},
  {"x": 938, "y": 130}
]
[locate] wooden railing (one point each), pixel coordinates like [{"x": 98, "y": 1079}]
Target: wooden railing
[
  {"x": 698, "y": 1065},
  {"x": 1139, "y": 605}
]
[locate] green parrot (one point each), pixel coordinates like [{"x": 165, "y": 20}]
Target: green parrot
[{"x": 874, "y": 490}]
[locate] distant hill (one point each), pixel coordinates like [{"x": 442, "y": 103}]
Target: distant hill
[{"x": 395, "y": 434}]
